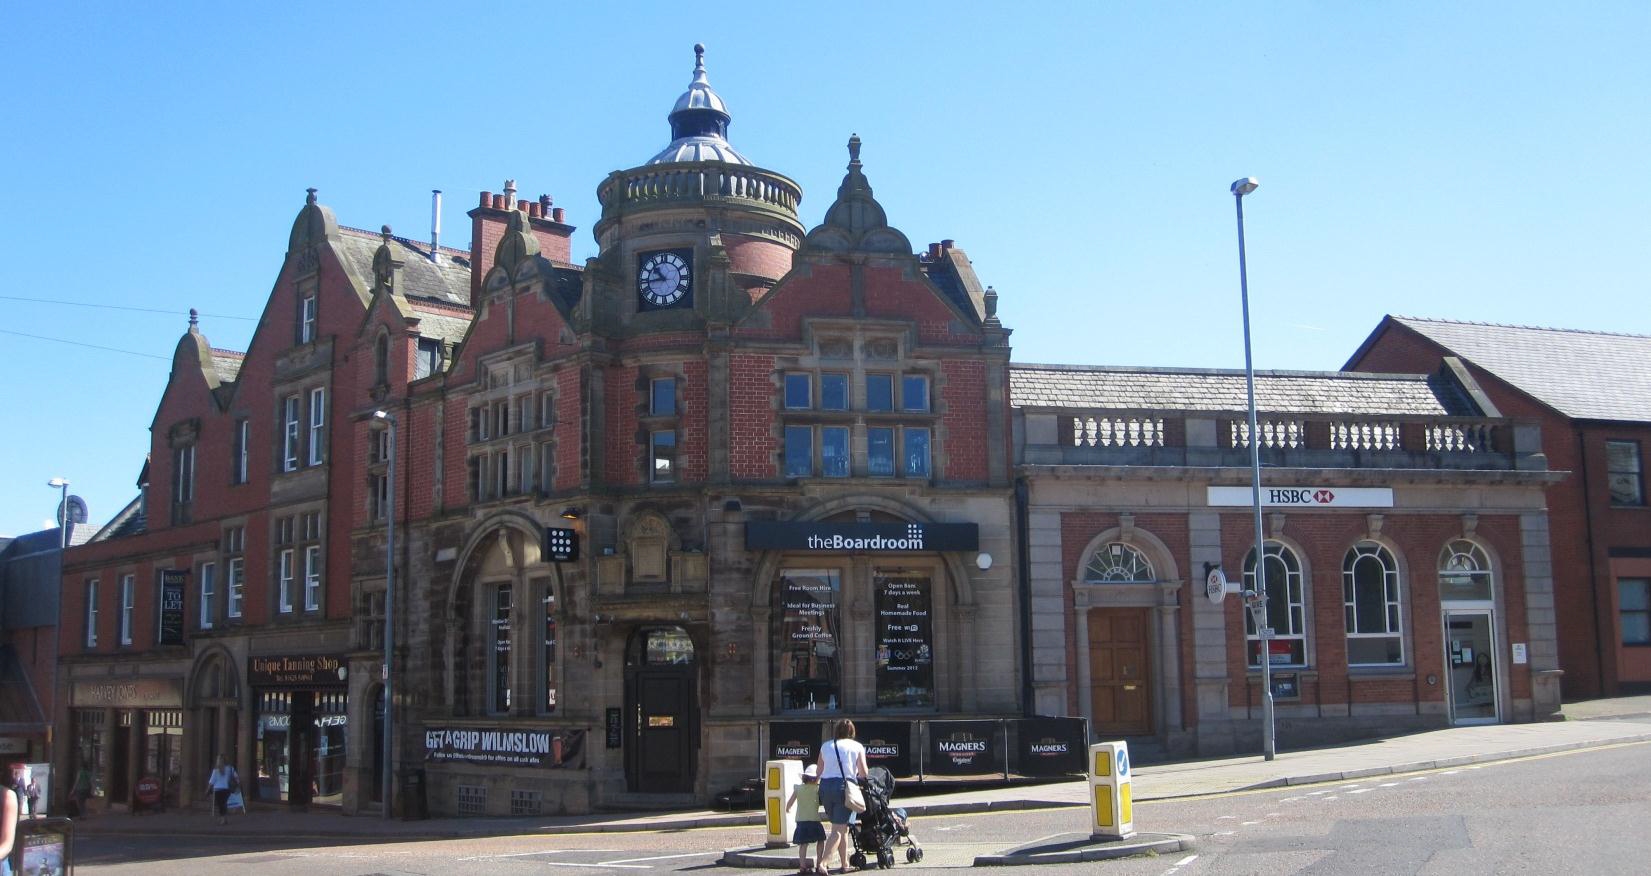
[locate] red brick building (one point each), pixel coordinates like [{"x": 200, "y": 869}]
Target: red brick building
[{"x": 1591, "y": 393}]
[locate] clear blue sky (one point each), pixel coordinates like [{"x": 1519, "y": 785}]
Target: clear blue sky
[{"x": 1482, "y": 161}]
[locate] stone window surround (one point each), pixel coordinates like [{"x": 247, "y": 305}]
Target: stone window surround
[{"x": 299, "y": 542}]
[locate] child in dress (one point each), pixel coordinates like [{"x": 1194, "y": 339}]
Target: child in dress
[{"x": 806, "y": 797}]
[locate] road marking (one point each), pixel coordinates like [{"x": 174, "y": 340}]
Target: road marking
[
  {"x": 1331, "y": 797},
  {"x": 545, "y": 852},
  {"x": 1389, "y": 785},
  {"x": 657, "y": 858},
  {"x": 603, "y": 866},
  {"x": 1451, "y": 772},
  {"x": 1419, "y": 778},
  {"x": 1289, "y": 799},
  {"x": 1185, "y": 861},
  {"x": 1049, "y": 837},
  {"x": 1225, "y": 817},
  {"x": 1248, "y": 823},
  {"x": 1316, "y": 793},
  {"x": 1225, "y": 832},
  {"x": 1362, "y": 791}
]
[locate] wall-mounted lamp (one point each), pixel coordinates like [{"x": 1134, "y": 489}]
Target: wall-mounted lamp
[
  {"x": 732, "y": 505},
  {"x": 570, "y": 513}
]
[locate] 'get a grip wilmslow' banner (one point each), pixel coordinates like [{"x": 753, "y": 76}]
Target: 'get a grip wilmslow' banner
[{"x": 546, "y": 749}]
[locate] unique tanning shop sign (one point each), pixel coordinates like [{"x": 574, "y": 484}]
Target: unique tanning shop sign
[{"x": 861, "y": 537}]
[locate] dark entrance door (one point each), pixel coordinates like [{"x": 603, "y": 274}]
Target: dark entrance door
[
  {"x": 662, "y": 738},
  {"x": 1119, "y": 672},
  {"x": 120, "y": 764}
]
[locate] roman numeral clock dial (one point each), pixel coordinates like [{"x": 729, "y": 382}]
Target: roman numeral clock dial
[{"x": 664, "y": 279}]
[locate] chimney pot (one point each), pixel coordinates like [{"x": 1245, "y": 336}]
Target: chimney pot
[
  {"x": 558, "y": 213},
  {"x": 947, "y": 244},
  {"x": 498, "y": 202},
  {"x": 533, "y": 210},
  {"x": 934, "y": 250},
  {"x": 487, "y": 199},
  {"x": 522, "y": 205}
]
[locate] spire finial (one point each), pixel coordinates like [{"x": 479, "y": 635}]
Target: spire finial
[
  {"x": 854, "y": 149},
  {"x": 699, "y": 55},
  {"x": 194, "y": 318},
  {"x": 384, "y": 232},
  {"x": 310, "y": 197}
]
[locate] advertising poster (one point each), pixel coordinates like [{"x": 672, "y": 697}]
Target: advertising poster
[
  {"x": 888, "y": 745},
  {"x": 807, "y": 648},
  {"x": 44, "y": 848},
  {"x": 795, "y": 740},
  {"x": 964, "y": 748},
  {"x": 34, "y": 787},
  {"x": 544, "y": 749},
  {"x": 905, "y": 640},
  {"x": 170, "y": 631},
  {"x": 1049, "y": 746}
]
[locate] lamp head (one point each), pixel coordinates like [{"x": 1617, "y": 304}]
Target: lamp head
[
  {"x": 1244, "y": 186},
  {"x": 58, "y": 483},
  {"x": 570, "y": 513},
  {"x": 386, "y": 416}
]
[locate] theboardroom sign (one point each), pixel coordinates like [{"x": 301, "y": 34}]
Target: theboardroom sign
[
  {"x": 1304, "y": 497},
  {"x": 861, "y": 537}
]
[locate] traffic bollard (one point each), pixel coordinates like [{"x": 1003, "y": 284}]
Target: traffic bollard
[
  {"x": 781, "y": 776},
  {"x": 1111, "y": 797}
]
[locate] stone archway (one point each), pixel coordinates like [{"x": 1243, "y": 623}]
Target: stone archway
[{"x": 213, "y": 706}]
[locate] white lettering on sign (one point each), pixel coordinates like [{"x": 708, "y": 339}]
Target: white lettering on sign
[
  {"x": 948, "y": 746},
  {"x": 1303, "y": 497}
]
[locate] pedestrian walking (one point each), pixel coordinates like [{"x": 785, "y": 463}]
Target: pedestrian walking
[
  {"x": 11, "y": 808},
  {"x": 841, "y": 761},
  {"x": 806, "y": 798},
  {"x": 223, "y": 782},
  {"x": 81, "y": 794}
]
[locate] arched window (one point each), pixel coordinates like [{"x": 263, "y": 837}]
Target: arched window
[
  {"x": 381, "y": 359},
  {"x": 1464, "y": 572},
  {"x": 1116, "y": 563},
  {"x": 1286, "y": 610},
  {"x": 1370, "y": 598}
]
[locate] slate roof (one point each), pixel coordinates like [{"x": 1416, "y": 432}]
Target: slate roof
[
  {"x": 132, "y": 520},
  {"x": 446, "y": 326},
  {"x": 46, "y": 541},
  {"x": 1223, "y": 391},
  {"x": 1583, "y": 375},
  {"x": 446, "y": 280},
  {"x": 227, "y": 363}
]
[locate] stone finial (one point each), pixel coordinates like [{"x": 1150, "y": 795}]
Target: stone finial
[
  {"x": 309, "y": 198},
  {"x": 853, "y": 149},
  {"x": 699, "y": 54},
  {"x": 195, "y": 316},
  {"x": 384, "y": 233},
  {"x": 991, "y": 302}
]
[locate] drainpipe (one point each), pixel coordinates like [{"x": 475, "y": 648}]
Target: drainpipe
[
  {"x": 1593, "y": 571},
  {"x": 1023, "y": 570}
]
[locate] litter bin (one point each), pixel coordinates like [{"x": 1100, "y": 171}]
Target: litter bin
[{"x": 415, "y": 805}]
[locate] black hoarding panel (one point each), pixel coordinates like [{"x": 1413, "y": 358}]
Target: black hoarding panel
[
  {"x": 888, "y": 745},
  {"x": 795, "y": 740},
  {"x": 1049, "y": 746},
  {"x": 964, "y": 748},
  {"x": 171, "y": 606}
]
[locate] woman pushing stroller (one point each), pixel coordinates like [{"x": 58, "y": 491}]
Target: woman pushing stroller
[{"x": 841, "y": 760}]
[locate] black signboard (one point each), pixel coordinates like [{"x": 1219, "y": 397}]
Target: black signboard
[
  {"x": 964, "y": 748},
  {"x": 888, "y": 745},
  {"x": 905, "y": 650},
  {"x": 861, "y": 537},
  {"x": 545, "y": 749},
  {"x": 297, "y": 671},
  {"x": 561, "y": 544},
  {"x": 795, "y": 740},
  {"x": 616, "y": 731},
  {"x": 170, "y": 630},
  {"x": 1049, "y": 746}
]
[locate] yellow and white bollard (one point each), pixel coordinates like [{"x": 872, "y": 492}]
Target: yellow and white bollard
[
  {"x": 1111, "y": 798},
  {"x": 780, "y": 777}
]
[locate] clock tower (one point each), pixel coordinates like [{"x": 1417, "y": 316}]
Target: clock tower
[{"x": 697, "y": 233}]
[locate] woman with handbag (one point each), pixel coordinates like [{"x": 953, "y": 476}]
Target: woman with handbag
[
  {"x": 11, "y": 808},
  {"x": 222, "y": 781},
  {"x": 842, "y": 764}
]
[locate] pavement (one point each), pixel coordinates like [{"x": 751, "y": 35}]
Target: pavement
[{"x": 1589, "y": 724}]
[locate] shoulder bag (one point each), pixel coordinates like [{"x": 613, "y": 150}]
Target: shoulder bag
[{"x": 853, "y": 797}]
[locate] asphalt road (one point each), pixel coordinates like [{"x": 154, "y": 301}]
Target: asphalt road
[{"x": 1575, "y": 812}]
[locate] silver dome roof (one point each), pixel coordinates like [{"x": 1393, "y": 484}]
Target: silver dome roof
[
  {"x": 687, "y": 149},
  {"x": 699, "y": 123},
  {"x": 699, "y": 94}
]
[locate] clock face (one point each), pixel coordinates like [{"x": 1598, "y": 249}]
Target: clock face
[{"x": 663, "y": 279}]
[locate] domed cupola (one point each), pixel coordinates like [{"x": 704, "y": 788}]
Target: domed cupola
[{"x": 699, "y": 123}]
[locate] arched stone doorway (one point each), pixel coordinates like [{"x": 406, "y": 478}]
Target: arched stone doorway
[
  {"x": 661, "y": 711},
  {"x": 215, "y": 716}
]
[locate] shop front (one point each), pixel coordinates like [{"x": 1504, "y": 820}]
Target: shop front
[
  {"x": 129, "y": 733},
  {"x": 301, "y": 727}
]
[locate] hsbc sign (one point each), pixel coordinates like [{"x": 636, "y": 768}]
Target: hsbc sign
[{"x": 1304, "y": 497}]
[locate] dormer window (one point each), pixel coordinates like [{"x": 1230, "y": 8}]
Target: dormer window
[{"x": 306, "y": 318}]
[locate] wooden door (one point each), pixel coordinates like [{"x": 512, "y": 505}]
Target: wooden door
[
  {"x": 663, "y": 745},
  {"x": 1120, "y": 672}
]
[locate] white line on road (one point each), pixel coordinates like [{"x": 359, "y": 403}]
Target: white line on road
[
  {"x": 1361, "y": 791},
  {"x": 1225, "y": 832},
  {"x": 604, "y": 866},
  {"x": 1225, "y": 817},
  {"x": 658, "y": 858},
  {"x": 1389, "y": 785},
  {"x": 544, "y": 852},
  {"x": 1248, "y": 823},
  {"x": 1185, "y": 861}
]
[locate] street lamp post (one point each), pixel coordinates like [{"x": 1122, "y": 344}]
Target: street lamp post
[
  {"x": 386, "y": 744},
  {"x": 62, "y": 511},
  {"x": 1258, "y": 601}
]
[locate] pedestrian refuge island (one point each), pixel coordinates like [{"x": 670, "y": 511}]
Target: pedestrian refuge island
[
  {"x": 779, "y": 778},
  {"x": 1111, "y": 797}
]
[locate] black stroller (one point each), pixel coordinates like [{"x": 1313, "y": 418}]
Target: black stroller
[{"x": 881, "y": 827}]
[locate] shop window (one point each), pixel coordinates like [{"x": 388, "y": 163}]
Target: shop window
[
  {"x": 799, "y": 391},
  {"x": 799, "y": 451},
  {"x": 162, "y": 751},
  {"x": 1634, "y": 610},
  {"x": 91, "y": 613},
  {"x": 128, "y": 593},
  {"x": 1465, "y": 573},
  {"x": 917, "y": 452},
  {"x": 833, "y": 392},
  {"x": 1118, "y": 563},
  {"x": 1370, "y": 599},
  {"x": 914, "y": 393},
  {"x": 662, "y": 453},
  {"x": 904, "y": 640},
  {"x": 808, "y": 661},
  {"x": 1286, "y": 609},
  {"x": 880, "y": 451},
  {"x": 1622, "y": 470},
  {"x": 89, "y": 734},
  {"x": 662, "y": 397},
  {"x": 879, "y": 392},
  {"x": 209, "y": 594},
  {"x": 500, "y": 676},
  {"x": 548, "y": 654}
]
